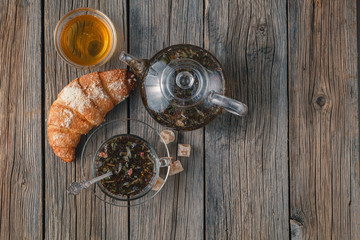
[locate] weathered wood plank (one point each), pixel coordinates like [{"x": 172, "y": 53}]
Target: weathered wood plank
[
  {"x": 189, "y": 208},
  {"x": 246, "y": 159},
  {"x": 20, "y": 120},
  {"x": 83, "y": 217},
  {"x": 323, "y": 119},
  {"x": 149, "y": 32},
  {"x": 177, "y": 213}
]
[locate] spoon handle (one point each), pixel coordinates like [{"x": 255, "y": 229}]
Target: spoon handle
[
  {"x": 76, "y": 187},
  {"x": 87, "y": 184}
]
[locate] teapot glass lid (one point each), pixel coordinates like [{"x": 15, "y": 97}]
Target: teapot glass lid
[{"x": 184, "y": 82}]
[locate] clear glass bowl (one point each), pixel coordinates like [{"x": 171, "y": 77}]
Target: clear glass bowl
[
  {"x": 107, "y": 131},
  {"x": 75, "y": 13}
]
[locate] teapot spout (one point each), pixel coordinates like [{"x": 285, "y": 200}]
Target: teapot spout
[{"x": 138, "y": 66}]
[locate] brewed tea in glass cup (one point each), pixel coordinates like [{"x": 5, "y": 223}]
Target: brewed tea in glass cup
[{"x": 85, "y": 38}]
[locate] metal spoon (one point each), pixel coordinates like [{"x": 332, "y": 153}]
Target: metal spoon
[{"x": 76, "y": 187}]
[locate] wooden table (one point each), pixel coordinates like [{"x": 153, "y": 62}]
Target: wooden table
[{"x": 288, "y": 169}]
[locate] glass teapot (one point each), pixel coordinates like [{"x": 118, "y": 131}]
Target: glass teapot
[{"x": 183, "y": 86}]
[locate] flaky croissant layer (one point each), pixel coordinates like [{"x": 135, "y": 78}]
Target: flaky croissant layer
[{"x": 82, "y": 105}]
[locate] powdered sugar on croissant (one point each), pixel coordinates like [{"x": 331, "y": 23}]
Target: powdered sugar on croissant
[{"x": 83, "y": 104}]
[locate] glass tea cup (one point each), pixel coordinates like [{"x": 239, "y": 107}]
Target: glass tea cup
[
  {"x": 85, "y": 38},
  {"x": 110, "y": 130}
]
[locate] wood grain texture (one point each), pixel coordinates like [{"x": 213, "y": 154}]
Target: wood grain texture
[
  {"x": 298, "y": 75},
  {"x": 148, "y": 31},
  {"x": 186, "y": 26},
  {"x": 323, "y": 119},
  {"x": 20, "y": 120},
  {"x": 177, "y": 213},
  {"x": 83, "y": 217},
  {"x": 246, "y": 159}
]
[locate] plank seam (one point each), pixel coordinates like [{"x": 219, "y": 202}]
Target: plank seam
[
  {"x": 43, "y": 115},
  {"x": 288, "y": 114},
  {"x": 14, "y": 137},
  {"x": 128, "y": 100},
  {"x": 358, "y": 68}
]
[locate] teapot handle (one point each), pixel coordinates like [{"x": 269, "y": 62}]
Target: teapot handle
[{"x": 231, "y": 105}]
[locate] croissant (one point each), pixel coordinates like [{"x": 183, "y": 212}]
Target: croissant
[{"x": 82, "y": 105}]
